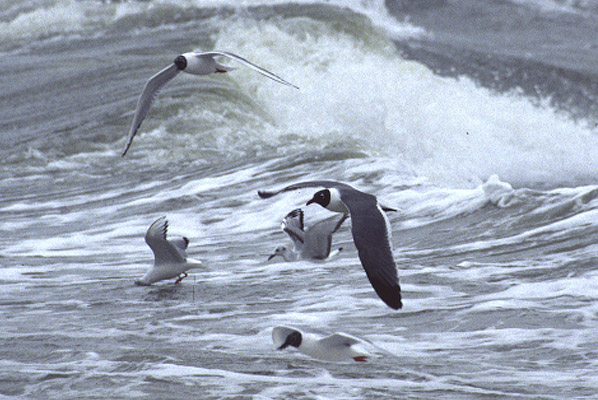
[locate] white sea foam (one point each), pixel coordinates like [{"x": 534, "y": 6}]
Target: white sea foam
[
  {"x": 449, "y": 130},
  {"x": 357, "y": 88},
  {"x": 376, "y": 11},
  {"x": 66, "y": 17},
  {"x": 585, "y": 286},
  {"x": 62, "y": 17},
  {"x": 518, "y": 324},
  {"x": 553, "y": 231}
]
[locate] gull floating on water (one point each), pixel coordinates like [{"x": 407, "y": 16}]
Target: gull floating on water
[
  {"x": 370, "y": 229},
  {"x": 314, "y": 243},
  {"x": 170, "y": 257},
  {"x": 336, "y": 347},
  {"x": 192, "y": 63}
]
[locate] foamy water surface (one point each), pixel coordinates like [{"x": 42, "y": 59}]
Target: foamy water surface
[{"x": 495, "y": 235}]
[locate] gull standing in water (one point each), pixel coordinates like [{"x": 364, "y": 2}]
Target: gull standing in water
[
  {"x": 336, "y": 347},
  {"x": 170, "y": 257},
  {"x": 370, "y": 229},
  {"x": 314, "y": 243},
  {"x": 192, "y": 63}
]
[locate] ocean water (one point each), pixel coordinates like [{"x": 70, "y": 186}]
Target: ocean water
[{"x": 478, "y": 120}]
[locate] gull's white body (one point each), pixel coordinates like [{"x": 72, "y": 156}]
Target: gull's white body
[
  {"x": 193, "y": 63},
  {"x": 313, "y": 243},
  {"x": 335, "y": 347},
  {"x": 204, "y": 63},
  {"x": 170, "y": 257},
  {"x": 163, "y": 271}
]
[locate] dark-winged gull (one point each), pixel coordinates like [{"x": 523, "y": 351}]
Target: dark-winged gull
[
  {"x": 192, "y": 63},
  {"x": 370, "y": 229},
  {"x": 170, "y": 257},
  {"x": 335, "y": 347},
  {"x": 314, "y": 243}
]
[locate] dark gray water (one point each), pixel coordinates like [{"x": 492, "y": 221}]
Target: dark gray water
[{"x": 476, "y": 119}]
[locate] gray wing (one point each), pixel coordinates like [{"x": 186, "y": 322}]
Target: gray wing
[
  {"x": 265, "y": 194},
  {"x": 164, "y": 251},
  {"x": 150, "y": 90},
  {"x": 318, "y": 238},
  {"x": 339, "y": 340},
  {"x": 248, "y": 64},
  {"x": 292, "y": 225},
  {"x": 181, "y": 244},
  {"x": 371, "y": 236}
]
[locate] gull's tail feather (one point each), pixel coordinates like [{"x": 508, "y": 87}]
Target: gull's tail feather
[{"x": 194, "y": 263}]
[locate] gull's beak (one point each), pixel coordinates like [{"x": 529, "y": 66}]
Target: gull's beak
[
  {"x": 271, "y": 256},
  {"x": 312, "y": 200}
]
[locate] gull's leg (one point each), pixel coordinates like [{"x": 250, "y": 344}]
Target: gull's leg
[{"x": 180, "y": 278}]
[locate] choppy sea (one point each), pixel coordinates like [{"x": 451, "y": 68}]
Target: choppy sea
[{"x": 478, "y": 120}]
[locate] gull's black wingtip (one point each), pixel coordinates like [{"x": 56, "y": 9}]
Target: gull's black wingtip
[
  {"x": 295, "y": 213},
  {"x": 395, "y": 304},
  {"x": 389, "y": 293},
  {"x": 398, "y": 302},
  {"x": 392, "y": 298}
]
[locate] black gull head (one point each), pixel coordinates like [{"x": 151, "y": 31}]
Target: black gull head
[
  {"x": 322, "y": 198},
  {"x": 180, "y": 62},
  {"x": 293, "y": 339}
]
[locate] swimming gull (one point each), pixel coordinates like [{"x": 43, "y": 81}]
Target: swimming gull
[
  {"x": 335, "y": 347},
  {"x": 192, "y": 63},
  {"x": 314, "y": 243},
  {"x": 370, "y": 229},
  {"x": 170, "y": 257}
]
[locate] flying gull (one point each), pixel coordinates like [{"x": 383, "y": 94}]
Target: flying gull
[
  {"x": 192, "y": 63},
  {"x": 370, "y": 229},
  {"x": 314, "y": 243},
  {"x": 335, "y": 347},
  {"x": 170, "y": 257}
]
